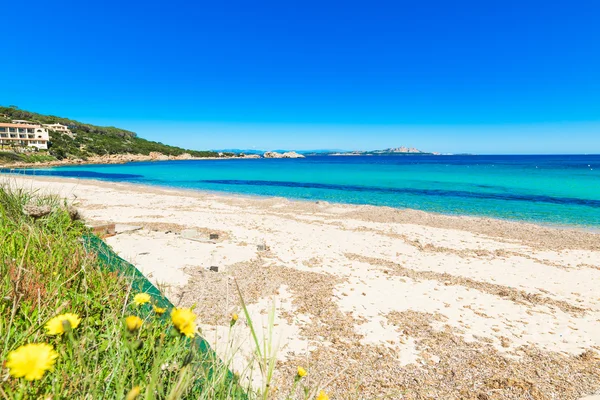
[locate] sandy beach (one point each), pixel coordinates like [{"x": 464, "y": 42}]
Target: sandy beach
[{"x": 375, "y": 302}]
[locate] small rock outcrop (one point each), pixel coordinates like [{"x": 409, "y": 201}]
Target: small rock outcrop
[
  {"x": 39, "y": 211},
  {"x": 36, "y": 211},
  {"x": 289, "y": 154},
  {"x": 272, "y": 154},
  {"x": 155, "y": 156},
  {"x": 292, "y": 154},
  {"x": 73, "y": 213}
]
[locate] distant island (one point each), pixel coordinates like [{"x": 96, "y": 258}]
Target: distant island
[
  {"x": 312, "y": 153},
  {"x": 385, "y": 152}
]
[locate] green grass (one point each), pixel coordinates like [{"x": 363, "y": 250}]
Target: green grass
[
  {"x": 45, "y": 270},
  {"x": 9, "y": 157}
]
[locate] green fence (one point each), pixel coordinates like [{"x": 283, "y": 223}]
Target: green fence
[{"x": 113, "y": 263}]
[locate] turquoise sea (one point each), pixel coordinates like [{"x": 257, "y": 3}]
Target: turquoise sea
[{"x": 562, "y": 190}]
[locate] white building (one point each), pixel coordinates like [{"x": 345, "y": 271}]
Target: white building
[
  {"x": 23, "y": 122},
  {"x": 59, "y": 128},
  {"x": 23, "y": 134}
]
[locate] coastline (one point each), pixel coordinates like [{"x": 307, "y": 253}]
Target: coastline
[
  {"x": 116, "y": 159},
  {"x": 547, "y": 205},
  {"x": 480, "y": 224},
  {"x": 458, "y": 304}
]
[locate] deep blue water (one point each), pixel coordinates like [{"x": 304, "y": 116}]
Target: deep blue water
[{"x": 549, "y": 189}]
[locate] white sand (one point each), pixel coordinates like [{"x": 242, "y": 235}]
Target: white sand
[{"x": 325, "y": 239}]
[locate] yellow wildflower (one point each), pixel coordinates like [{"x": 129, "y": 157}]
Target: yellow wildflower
[
  {"x": 56, "y": 326},
  {"x": 301, "y": 372},
  {"x": 31, "y": 361},
  {"x": 233, "y": 320},
  {"x": 184, "y": 320},
  {"x": 159, "y": 310},
  {"x": 141, "y": 298},
  {"x": 133, "y": 393},
  {"x": 133, "y": 323},
  {"x": 322, "y": 395}
]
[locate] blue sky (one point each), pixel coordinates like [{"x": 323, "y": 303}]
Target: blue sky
[{"x": 450, "y": 76}]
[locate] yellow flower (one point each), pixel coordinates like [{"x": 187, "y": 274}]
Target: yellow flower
[
  {"x": 56, "y": 326},
  {"x": 184, "y": 320},
  {"x": 141, "y": 298},
  {"x": 133, "y": 393},
  {"x": 31, "y": 361},
  {"x": 322, "y": 395},
  {"x": 133, "y": 323},
  {"x": 301, "y": 372},
  {"x": 159, "y": 310},
  {"x": 234, "y": 317}
]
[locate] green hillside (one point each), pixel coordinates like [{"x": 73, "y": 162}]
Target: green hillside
[{"x": 92, "y": 140}]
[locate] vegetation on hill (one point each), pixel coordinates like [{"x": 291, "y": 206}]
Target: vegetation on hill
[
  {"x": 9, "y": 157},
  {"x": 93, "y": 140}
]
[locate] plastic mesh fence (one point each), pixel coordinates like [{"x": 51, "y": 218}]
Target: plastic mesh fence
[{"x": 111, "y": 262}]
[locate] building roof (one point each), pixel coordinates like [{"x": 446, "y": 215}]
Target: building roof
[{"x": 10, "y": 125}]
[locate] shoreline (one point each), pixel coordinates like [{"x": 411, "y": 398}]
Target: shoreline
[
  {"x": 116, "y": 159},
  {"x": 457, "y": 304},
  {"x": 430, "y": 214}
]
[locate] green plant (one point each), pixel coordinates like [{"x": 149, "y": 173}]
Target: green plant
[
  {"x": 46, "y": 272},
  {"x": 101, "y": 337}
]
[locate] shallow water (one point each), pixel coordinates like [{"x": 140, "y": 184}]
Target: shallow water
[{"x": 561, "y": 190}]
